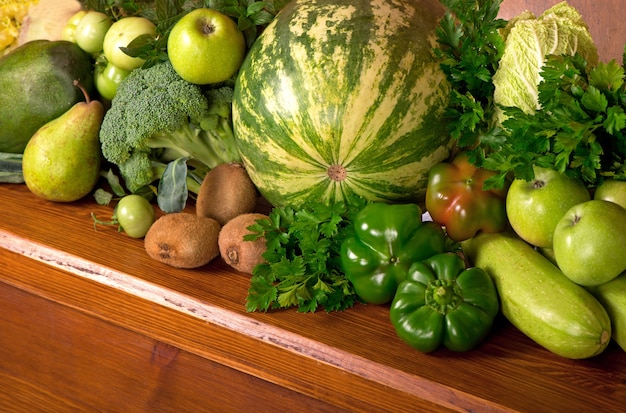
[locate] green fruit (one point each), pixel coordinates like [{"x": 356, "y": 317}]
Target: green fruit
[
  {"x": 535, "y": 207},
  {"x": 61, "y": 162},
  {"x": 612, "y": 190},
  {"x": 343, "y": 97},
  {"x": 590, "y": 242},
  {"x": 90, "y": 31},
  {"x": 612, "y": 295},
  {"x": 120, "y": 35},
  {"x": 205, "y": 46},
  {"x": 538, "y": 299},
  {"x": 36, "y": 81}
]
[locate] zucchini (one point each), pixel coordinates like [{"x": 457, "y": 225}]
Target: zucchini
[
  {"x": 612, "y": 295},
  {"x": 538, "y": 299}
]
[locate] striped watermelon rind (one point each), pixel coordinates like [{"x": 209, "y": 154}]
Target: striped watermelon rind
[{"x": 343, "y": 96}]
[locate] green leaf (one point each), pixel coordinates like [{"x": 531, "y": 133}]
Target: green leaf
[
  {"x": 615, "y": 120},
  {"x": 172, "y": 192},
  {"x": 594, "y": 100},
  {"x": 261, "y": 293},
  {"x": 302, "y": 257},
  {"x": 102, "y": 197}
]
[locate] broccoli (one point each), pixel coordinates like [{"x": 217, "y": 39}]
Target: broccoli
[{"x": 157, "y": 117}]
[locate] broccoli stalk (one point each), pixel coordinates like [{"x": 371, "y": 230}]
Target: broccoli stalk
[{"x": 157, "y": 117}]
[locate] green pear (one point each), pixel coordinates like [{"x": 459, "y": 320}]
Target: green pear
[{"x": 61, "y": 161}]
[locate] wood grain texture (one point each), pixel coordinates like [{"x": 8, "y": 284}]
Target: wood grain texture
[
  {"x": 605, "y": 19},
  {"x": 351, "y": 360}
]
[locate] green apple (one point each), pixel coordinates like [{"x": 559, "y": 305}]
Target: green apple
[
  {"x": 535, "y": 207},
  {"x": 206, "y": 46},
  {"x": 120, "y": 34},
  {"x": 590, "y": 242},
  {"x": 612, "y": 190}
]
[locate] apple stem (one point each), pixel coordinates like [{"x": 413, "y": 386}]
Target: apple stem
[
  {"x": 538, "y": 184},
  {"x": 82, "y": 88}
]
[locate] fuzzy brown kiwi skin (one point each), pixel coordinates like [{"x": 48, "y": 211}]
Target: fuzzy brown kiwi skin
[
  {"x": 183, "y": 240},
  {"x": 241, "y": 255},
  {"x": 226, "y": 192}
]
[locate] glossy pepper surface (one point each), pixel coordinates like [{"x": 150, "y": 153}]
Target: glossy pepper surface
[
  {"x": 387, "y": 239},
  {"x": 455, "y": 199},
  {"x": 444, "y": 303}
]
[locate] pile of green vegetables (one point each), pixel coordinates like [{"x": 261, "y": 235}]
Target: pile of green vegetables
[
  {"x": 574, "y": 121},
  {"x": 576, "y": 126},
  {"x": 162, "y": 130},
  {"x": 332, "y": 256}
]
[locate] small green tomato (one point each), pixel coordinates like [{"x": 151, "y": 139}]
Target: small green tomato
[
  {"x": 107, "y": 78},
  {"x": 135, "y": 215},
  {"x": 69, "y": 30},
  {"x": 120, "y": 35},
  {"x": 90, "y": 31}
]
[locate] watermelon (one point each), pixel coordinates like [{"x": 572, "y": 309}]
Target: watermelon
[{"x": 343, "y": 97}]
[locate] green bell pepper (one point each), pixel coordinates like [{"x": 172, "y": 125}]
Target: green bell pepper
[
  {"x": 387, "y": 239},
  {"x": 444, "y": 302}
]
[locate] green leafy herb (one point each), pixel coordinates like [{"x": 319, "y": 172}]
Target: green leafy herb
[
  {"x": 470, "y": 47},
  {"x": 579, "y": 130},
  {"x": 302, "y": 266}
]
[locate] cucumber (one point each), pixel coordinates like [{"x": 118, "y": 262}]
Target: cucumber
[
  {"x": 612, "y": 295},
  {"x": 538, "y": 299},
  {"x": 36, "y": 81}
]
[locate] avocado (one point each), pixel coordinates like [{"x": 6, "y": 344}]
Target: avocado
[{"x": 37, "y": 86}]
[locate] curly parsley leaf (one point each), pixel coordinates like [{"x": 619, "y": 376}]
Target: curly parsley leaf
[{"x": 302, "y": 267}]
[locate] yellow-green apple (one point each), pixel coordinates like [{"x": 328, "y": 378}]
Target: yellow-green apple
[
  {"x": 120, "y": 34},
  {"x": 612, "y": 190},
  {"x": 535, "y": 207},
  {"x": 590, "y": 242},
  {"x": 205, "y": 46}
]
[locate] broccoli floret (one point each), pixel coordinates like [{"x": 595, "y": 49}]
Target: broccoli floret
[{"x": 156, "y": 117}]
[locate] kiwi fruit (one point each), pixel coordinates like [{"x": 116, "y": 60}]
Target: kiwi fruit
[
  {"x": 240, "y": 254},
  {"x": 226, "y": 192},
  {"x": 183, "y": 240}
]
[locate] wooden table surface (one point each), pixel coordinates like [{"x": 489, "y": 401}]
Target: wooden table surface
[
  {"x": 89, "y": 323},
  {"x": 89, "y": 320}
]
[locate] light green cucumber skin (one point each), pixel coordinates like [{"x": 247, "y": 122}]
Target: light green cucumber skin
[
  {"x": 538, "y": 299},
  {"x": 612, "y": 295},
  {"x": 343, "y": 82}
]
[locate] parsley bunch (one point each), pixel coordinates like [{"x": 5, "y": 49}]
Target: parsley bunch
[
  {"x": 579, "y": 130},
  {"x": 302, "y": 266},
  {"x": 469, "y": 48}
]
